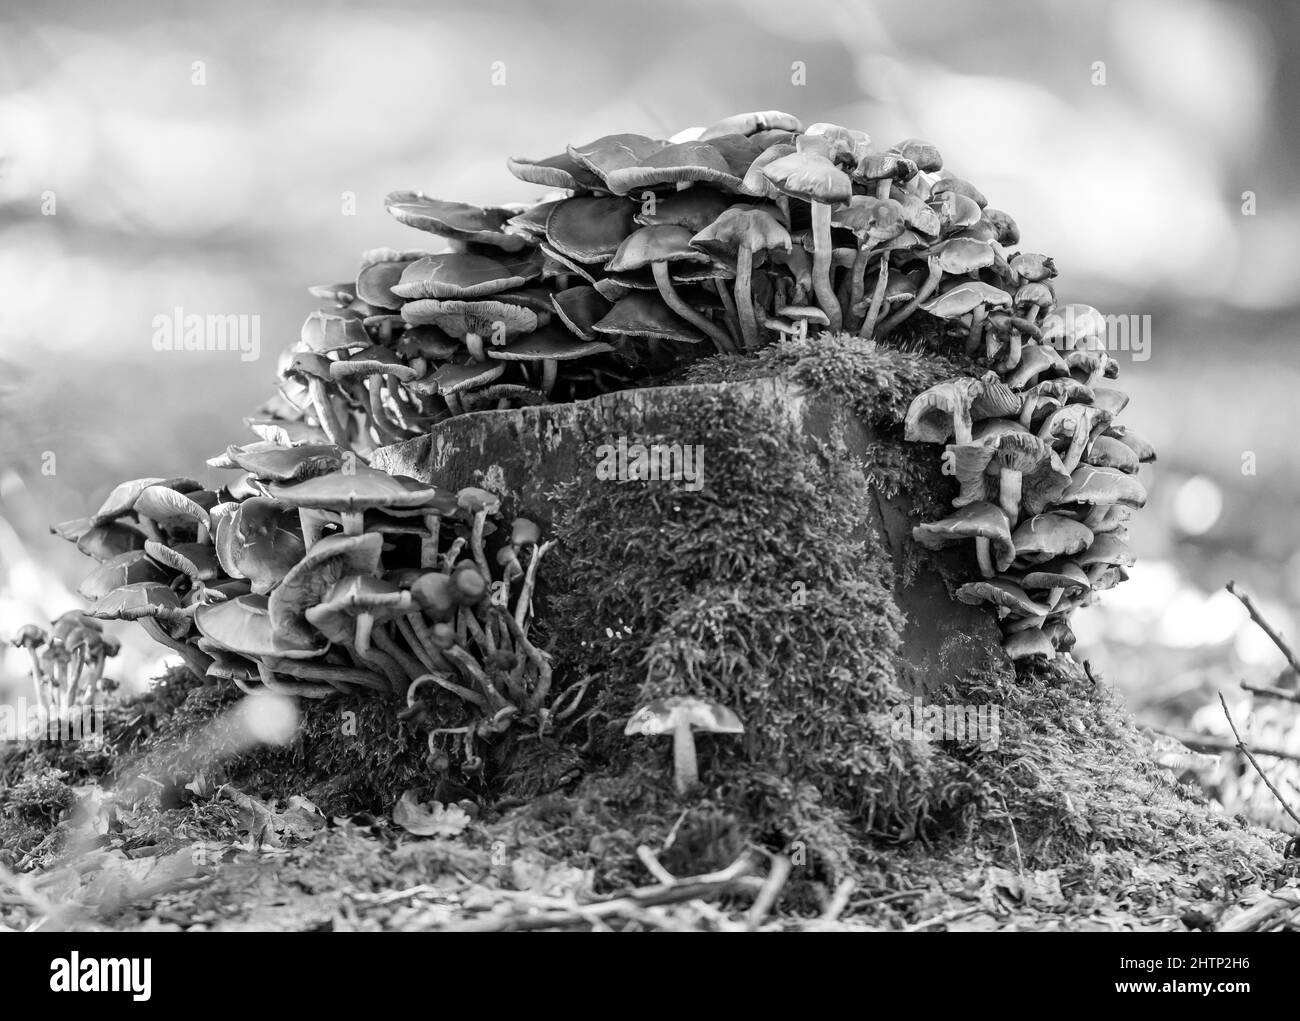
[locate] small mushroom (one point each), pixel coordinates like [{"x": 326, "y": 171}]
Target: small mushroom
[
  {"x": 748, "y": 231},
  {"x": 1044, "y": 537},
  {"x": 682, "y": 716},
  {"x": 942, "y": 411},
  {"x": 981, "y": 521}
]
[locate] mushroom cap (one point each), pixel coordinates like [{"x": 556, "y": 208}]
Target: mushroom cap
[
  {"x": 809, "y": 176},
  {"x": 1107, "y": 548},
  {"x": 955, "y": 210},
  {"x": 258, "y": 542},
  {"x": 693, "y": 208},
  {"x": 531, "y": 223},
  {"x": 461, "y": 275},
  {"x": 951, "y": 183},
  {"x": 170, "y": 509},
  {"x": 457, "y": 220},
  {"x": 561, "y": 171},
  {"x": 524, "y": 532},
  {"x": 752, "y": 124},
  {"x": 456, "y": 377},
  {"x": 753, "y": 226},
  {"x": 1036, "y": 359},
  {"x": 276, "y": 463},
  {"x": 1064, "y": 574},
  {"x": 1072, "y": 325},
  {"x": 590, "y": 229},
  {"x": 924, "y": 154},
  {"x": 474, "y": 499},
  {"x": 122, "y": 499},
  {"x": 380, "y": 270},
  {"x": 357, "y": 490},
  {"x": 340, "y": 294},
  {"x": 882, "y": 166},
  {"x": 1134, "y": 441},
  {"x": 1033, "y": 267},
  {"x": 696, "y": 160},
  {"x": 1004, "y": 593},
  {"x": 332, "y": 331},
  {"x": 551, "y": 343},
  {"x": 29, "y": 636},
  {"x": 997, "y": 399},
  {"x": 1091, "y": 485},
  {"x": 995, "y": 427},
  {"x": 1044, "y": 537},
  {"x": 931, "y": 415},
  {"x": 970, "y": 467},
  {"x": 664, "y": 715},
  {"x": 644, "y": 314},
  {"x": 1072, "y": 420},
  {"x": 966, "y": 255},
  {"x": 1035, "y": 293},
  {"x": 243, "y": 625},
  {"x": 615, "y": 152},
  {"x": 483, "y": 317},
  {"x": 1108, "y": 452},
  {"x": 1043, "y": 476},
  {"x": 871, "y": 219},
  {"x": 375, "y": 360},
  {"x": 965, "y": 297},
  {"x": 1029, "y": 642},
  {"x": 1110, "y": 399},
  {"x": 647, "y": 245},
  {"x": 101, "y": 541},
  {"x": 1008, "y": 232},
  {"x": 974, "y": 521},
  {"x": 580, "y": 308}
]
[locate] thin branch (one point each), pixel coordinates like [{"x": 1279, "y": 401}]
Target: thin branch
[
  {"x": 1251, "y": 759},
  {"x": 1267, "y": 628},
  {"x": 1267, "y": 692},
  {"x": 1209, "y": 742}
]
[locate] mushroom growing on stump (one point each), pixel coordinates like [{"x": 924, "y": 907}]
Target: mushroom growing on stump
[
  {"x": 1029, "y": 642},
  {"x": 1075, "y": 423},
  {"x": 942, "y": 411},
  {"x": 747, "y": 231},
  {"x": 1047, "y": 536},
  {"x": 550, "y": 347},
  {"x": 981, "y": 521},
  {"x": 656, "y": 247},
  {"x": 810, "y": 176},
  {"x": 1029, "y": 468},
  {"x": 1008, "y": 598},
  {"x": 681, "y": 716},
  {"x": 1057, "y": 577}
]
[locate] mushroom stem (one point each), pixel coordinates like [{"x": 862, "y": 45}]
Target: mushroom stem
[
  {"x": 961, "y": 429},
  {"x": 745, "y": 295},
  {"x": 413, "y": 640},
  {"x": 674, "y": 301},
  {"x": 1013, "y": 351},
  {"x": 1054, "y": 595},
  {"x": 1009, "y": 488},
  {"x": 1027, "y": 412},
  {"x": 364, "y": 628},
  {"x": 453, "y": 404},
  {"x": 1077, "y": 444},
  {"x": 39, "y": 679},
  {"x": 413, "y": 666},
  {"x": 976, "y": 332},
  {"x": 733, "y": 315},
  {"x": 686, "y": 771},
  {"x": 379, "y": 414},
  {"x": 923, "y": 293},
  {"x": 320, "y": 403},
  {"x": 429, "y": 544},
  {"x": 475, "y": 344},
  {"x": 312, "y": 524},
  {"x": 525, "y": 602},
  {"x": 821, "y": 268},
  {"x": 353, "y": 522},
  {"x": 984, "y": 555},
  {"x": 550, "y": 372},
  {"x": 877, "y": 299},
  {"x": 340, "y": 677},
  {"x": 306, "y": 689}
]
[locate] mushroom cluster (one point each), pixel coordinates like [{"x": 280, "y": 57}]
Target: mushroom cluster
[
  {"x": 1047, "y": 479},
  {"x": 309, "y": 574},
  {"x": 644, "y": 253},
  {"x": 68, "y": 662}
]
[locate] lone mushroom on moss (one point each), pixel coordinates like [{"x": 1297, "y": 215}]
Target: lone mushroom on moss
[{"x": 682, "y": 716}]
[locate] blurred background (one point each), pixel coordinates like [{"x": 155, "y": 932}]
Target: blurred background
[{"x": 221, "y": 158}]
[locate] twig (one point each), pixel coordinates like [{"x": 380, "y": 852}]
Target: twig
[
  {"x": 1254, "y": 918},
  {"x": 767, "y": 896},
  {"x": 1020, "y": 862},
  {"x": 653, "y": 866},
  {"x": 1268, "y": 692},
  {"x": 1251, "y": 759},
  {"x": 1264, "y": 626},
  {"x": 1210, "y": 742}
]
